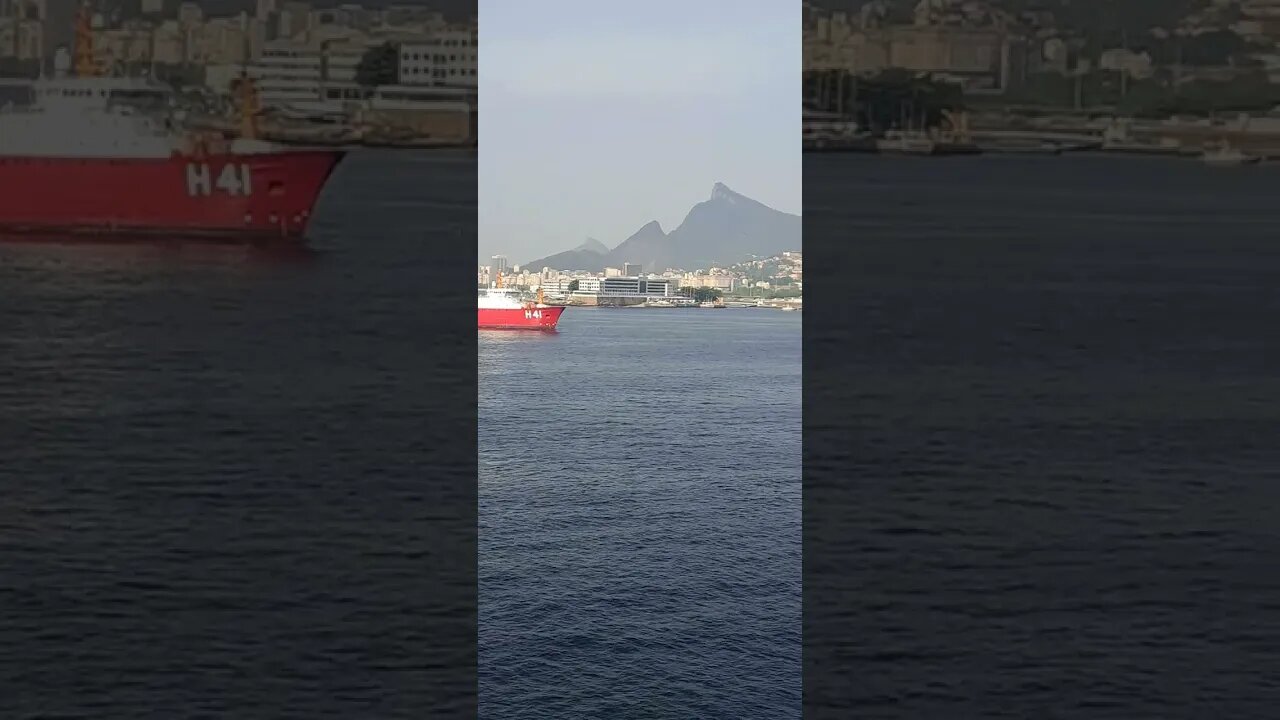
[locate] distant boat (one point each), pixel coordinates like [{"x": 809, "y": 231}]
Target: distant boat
[
  {"x": 501, "y": 309},
  {"x": 1043, "y": 147},
  {"x": 1226, "y": 156},
  {"x": 906, "y": 143},
  {"x": 1116, "y": 138},
  {"x": 861, "y": 142}
]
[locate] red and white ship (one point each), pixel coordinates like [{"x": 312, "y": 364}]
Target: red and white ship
[
  {"x": 501, "y": 309},
  {"x": 85, "y": 159}
]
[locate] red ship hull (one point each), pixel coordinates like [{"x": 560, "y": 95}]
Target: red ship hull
[
  {"x": 258, "y": 195},
  {"x": 539, "y": 318}
]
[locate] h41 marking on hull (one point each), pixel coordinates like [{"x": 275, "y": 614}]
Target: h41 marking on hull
[{"x": 232, "y": 179}]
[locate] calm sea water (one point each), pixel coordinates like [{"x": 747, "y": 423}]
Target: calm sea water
[
  {"x": 1040, "y": 419},
  {"x": 242, "y": 484},
  {"x": 640, "y": 516}
]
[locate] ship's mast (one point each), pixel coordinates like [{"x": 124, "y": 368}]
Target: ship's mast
[{"x": 248, "y": 96}]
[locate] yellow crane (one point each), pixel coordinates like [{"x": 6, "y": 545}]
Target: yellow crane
[
  {"x": 85, "y": 65},
  {"x": 958, "y": 122},
  {"x": 247, "y": 95}
]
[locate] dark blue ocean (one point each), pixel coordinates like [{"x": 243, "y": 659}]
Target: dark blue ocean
[
  {"x": 1041, "y": 410},
  {"x": 240, "y": 483},
  {"x": 640, "y": 516}
]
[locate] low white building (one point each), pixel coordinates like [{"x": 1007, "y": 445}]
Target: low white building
[
  {"x": 298, "y": 74},
  {"x": 720, "y": 282},
  {"x": 446, "y": 58},
  {"x": 557, "y": 286},
  {"x": 1133, "y": 64},
  {"x": 630, "y": 286},
  {"x": 316, "y": 72}
]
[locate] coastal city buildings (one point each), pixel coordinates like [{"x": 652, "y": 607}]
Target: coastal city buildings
[
  {"x": 940, "y": 77},
  {"x": 305, "y": 59},
  {"x": 779, "y": 276},
  {"x": 1002, "y": 47},
  {"x": 977, "y": 58}
]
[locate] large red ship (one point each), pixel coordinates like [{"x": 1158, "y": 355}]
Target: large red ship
[
  {"x": 502, "y": 309},
  {"x": 88, "y": 157}
]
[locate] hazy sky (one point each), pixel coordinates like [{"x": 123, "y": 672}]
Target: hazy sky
[{"x": 597, "y": 117}]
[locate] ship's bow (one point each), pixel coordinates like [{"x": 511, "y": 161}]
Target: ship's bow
[{"x": 551, "y": 317}]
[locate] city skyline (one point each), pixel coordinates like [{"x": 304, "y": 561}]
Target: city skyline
[
  {"x": 453, "y": 9},
  {"x": 597, "y": 123}
]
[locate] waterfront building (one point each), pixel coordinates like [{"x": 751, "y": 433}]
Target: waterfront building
[
  {"x": 628, "y": 287},
  {"x": 294, "y": 72},
  {"x": 557, "y": 286},
  {"x": 21, "y": 38},
  {"x": 722, "y": 282},
  {"x": 448, "y": 57},
  {"x": 190, "y": 14},
  {"x": 317, "y": 74},
  {"x": 294, "y": 19},
  {"x": 413, "y": 15},
  {"x": 980, "y": 59}
]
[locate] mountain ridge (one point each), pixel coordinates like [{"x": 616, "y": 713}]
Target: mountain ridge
[{"x": 726, "y": 228}]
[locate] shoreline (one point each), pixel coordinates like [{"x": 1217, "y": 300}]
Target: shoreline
[
  {"x": 729, "y": 305},
  {"x": 1115, "y": 137},
  {"x": 1256, "y": 156}
]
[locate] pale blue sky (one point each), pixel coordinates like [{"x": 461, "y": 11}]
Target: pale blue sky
[{"x": 597, "y": 117}]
